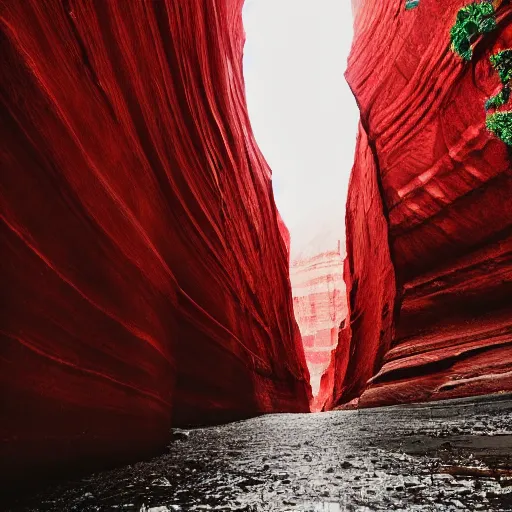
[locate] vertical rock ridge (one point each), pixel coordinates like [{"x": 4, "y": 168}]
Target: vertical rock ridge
[{"x": 370, "y": 279}]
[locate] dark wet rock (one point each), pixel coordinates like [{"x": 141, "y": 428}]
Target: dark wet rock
[
  {"x": 161, "y": 482},
  {"x": 310, "y": 463},
  {"x": 411, "y": 481},
  {"x": 180, "y": 435}
]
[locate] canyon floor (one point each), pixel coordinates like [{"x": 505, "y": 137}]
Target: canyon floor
[{"x": 451, "y": 455}]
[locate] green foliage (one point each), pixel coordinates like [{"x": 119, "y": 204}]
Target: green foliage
[
  {"x": 499, "y": 99},
  {"x": 500, "y": 124},
  {"x": 411, "y": 4},
  {"x": 472, "y": 20},
  {"x": 502, "y": 63}
]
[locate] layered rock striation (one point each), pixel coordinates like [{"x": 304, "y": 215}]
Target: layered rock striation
[
  {"x": 145, "y": 278},
  {"x": 445, "y": 184},
  {"x": 319, "y": 302}
]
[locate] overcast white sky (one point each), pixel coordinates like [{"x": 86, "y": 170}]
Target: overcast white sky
[{"x": 302, "y": 112}]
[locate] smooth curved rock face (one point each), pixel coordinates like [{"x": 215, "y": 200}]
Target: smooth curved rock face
[
  {"x": 144, "y": 275},
  {"x": 370, "y": 280},
  {"x": 446, "y": 185}
]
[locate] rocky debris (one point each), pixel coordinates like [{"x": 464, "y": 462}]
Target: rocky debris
[
  {"x": 180, "y": 435},
  {"x": 315, "y": 462}
]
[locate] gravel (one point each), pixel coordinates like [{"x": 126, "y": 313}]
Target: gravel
[{"x": 402, "y": 458}]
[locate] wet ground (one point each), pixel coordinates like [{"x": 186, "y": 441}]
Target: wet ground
[{"x": 444, "y": 456}]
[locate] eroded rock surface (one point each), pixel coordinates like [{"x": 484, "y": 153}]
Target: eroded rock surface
[
  {"x": 143, "y": 271},
  {"x": 444, "y": 184},
  {"x": 390, "y": 458}
]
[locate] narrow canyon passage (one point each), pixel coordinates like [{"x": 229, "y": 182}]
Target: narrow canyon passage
[
  {"x": 305, "y": 117},
  {"x": 403, "y": 458},
  {"x": 164, "y": 311}
]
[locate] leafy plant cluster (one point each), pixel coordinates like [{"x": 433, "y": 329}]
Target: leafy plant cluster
[
  {"x": 411, "y": 4},
  {"x": 473, "y": 19},
  {"x": 480, "y": 18},
  {"x": 502, "y": 63},
  {"x": 500, "y": 123}
]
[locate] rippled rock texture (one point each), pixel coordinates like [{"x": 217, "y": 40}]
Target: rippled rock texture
[
  {"x": 144, "y": 276},
  {"x": 445, "y": 184}
]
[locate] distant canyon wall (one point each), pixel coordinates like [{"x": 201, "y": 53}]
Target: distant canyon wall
[{"x": 319, "y": 301}]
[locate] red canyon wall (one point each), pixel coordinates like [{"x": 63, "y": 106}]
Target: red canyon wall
[
  {"x": 370, "y": 280},
  {"x": 144, "y": 276},
  {"x": 319, "y": 303},
  {"x": 446, "y": 187}
]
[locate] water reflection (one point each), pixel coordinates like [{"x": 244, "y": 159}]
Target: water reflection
[
  {"x": 327, "y": 506},
  {"x": 324, "y": 506},
  {"x": 160, "y": 508}
]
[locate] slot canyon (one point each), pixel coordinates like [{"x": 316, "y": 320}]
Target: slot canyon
[{"x": 168, "y": 342}]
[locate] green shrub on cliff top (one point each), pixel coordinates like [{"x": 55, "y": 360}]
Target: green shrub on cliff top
[
  {"x": 500, "y": 124},
  {"x": 472, "y": 20},
  {"x": 499, "y": 99},
  {"x": 502, "y": 63}
]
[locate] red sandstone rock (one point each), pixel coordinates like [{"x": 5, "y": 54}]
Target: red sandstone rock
[
  {"x": 370, "y": 279},
  {"x": 143, "y": 271},
  {"x": 446, "y": 185},
  {"x": 285, "y": 233},
  {"x": 319, "y": 300}
]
